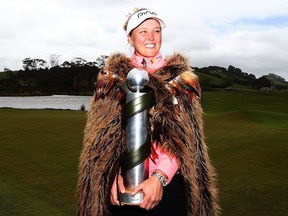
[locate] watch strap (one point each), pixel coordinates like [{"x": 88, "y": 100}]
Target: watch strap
[{"x": 162, "y": 179}]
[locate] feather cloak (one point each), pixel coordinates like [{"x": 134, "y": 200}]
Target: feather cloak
[{"x": 177, "y": 127}]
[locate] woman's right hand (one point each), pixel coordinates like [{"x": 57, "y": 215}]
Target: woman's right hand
[{"x": 114, "y": 199}]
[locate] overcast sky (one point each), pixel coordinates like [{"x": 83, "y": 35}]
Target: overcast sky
[{"x": 249, "y": 34}]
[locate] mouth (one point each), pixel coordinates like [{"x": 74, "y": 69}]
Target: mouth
[{"x": 149, "y": 45}]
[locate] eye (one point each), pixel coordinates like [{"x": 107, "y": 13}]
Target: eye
[
  {"x": 143, "y": 32},
  {"x": 157, "y": 30}
]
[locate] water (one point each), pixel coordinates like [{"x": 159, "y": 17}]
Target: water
[{"x": 46, "y": 102}]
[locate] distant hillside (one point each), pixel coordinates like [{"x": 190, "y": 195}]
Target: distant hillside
[
  {"x": 215, "y": 77},
  {"x": 276, "y": 80}
]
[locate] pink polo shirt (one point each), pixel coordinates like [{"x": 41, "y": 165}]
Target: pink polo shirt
[{"x": 164, "y": 162}]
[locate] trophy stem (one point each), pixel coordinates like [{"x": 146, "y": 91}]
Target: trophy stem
[{"x": 135, "y": 120}]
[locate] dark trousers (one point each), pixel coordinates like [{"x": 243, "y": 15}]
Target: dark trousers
[{"x": 173, "y": 202}]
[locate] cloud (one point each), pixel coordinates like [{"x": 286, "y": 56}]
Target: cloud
[{"x": 253, "y": 38}]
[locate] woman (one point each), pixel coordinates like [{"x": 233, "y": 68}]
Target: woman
[{"x": 179, "y": 156}]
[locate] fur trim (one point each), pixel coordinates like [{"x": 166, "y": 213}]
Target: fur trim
[{"x": 177, "y": 127}]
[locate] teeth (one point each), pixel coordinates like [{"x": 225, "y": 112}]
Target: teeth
[{"x": 150, "y": 45}]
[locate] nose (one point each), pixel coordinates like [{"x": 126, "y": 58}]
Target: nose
[{"x": 150, "y": 35}]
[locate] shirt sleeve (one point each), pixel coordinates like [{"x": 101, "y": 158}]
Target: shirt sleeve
[{"x": 166, "y": 163}]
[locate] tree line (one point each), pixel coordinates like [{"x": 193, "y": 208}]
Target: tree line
[
  {"x": 56, "y": 80},
  {"x": 79, "y": 76},
  {"x": 39, "y": 77}
]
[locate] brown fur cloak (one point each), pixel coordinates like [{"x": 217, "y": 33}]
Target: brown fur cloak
[{"x": 177, "y": 127}]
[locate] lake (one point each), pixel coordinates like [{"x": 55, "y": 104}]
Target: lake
[{"x": 47, "y": 102}]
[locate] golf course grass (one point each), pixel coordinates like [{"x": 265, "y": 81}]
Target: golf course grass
[{"x": 246, "y": 132}]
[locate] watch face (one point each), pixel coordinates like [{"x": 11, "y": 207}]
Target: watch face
[{"x": 164, "y": 182}]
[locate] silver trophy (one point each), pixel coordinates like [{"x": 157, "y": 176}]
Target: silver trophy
[{"x": 135, "y": 121}]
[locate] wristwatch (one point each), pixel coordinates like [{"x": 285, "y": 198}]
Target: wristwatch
[{"x": 161, "y": 178}]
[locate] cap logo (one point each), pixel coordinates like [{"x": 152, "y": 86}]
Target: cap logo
[
  {"x": 146, "y": 12},
  {"x": 139, "y": 17}
]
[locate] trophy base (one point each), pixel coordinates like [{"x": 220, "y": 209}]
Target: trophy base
[{"x": 128, "y": 199}]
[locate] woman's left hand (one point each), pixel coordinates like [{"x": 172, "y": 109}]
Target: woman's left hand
[{"x": 152, "y": 190}]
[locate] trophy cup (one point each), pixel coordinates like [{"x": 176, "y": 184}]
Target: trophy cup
[{"x": 135, "y": 121}]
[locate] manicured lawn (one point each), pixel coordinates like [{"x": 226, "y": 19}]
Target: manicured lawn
[
  {"x": 38, "y": 163},
  {"x": 247, "y": 135},
  {"x": 246, "y": 132}
]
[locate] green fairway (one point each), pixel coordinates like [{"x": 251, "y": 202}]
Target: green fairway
[
  {"x": 246, "y": 133},
  {"x": 38, "y": 163}
]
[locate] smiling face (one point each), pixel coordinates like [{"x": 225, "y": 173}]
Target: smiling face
[{"x": 146, "y": 38}]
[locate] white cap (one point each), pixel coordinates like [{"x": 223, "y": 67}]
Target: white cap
[{"x": 139, "y": 17}]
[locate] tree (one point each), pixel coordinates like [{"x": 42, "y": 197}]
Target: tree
[
  {"x": 6, "y": 69},
  {"x": 252, "y": 76},
  {"x": 54, "y": 60},
  {"x": 34, "y": 64},
  {"x": 262, "y": 82},
  {"x": 78, "y": 62},
  {"x": 231, "y": 69},
  {"x": 40, "y": 64},
  {"x": 66, "y": 64},
  {"x": 91, "y": 64},
  {"x": 101, "y": 60},
  {"x": 28, "y": 64},
  {"x": 238, "y": 71}
]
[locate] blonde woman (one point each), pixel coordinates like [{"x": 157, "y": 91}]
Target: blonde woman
[{"x": 181, "y": 178}]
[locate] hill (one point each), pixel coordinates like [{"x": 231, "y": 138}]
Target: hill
[
  {"x": 276, "y": 80},
  {"x": 215, "y": 77}
]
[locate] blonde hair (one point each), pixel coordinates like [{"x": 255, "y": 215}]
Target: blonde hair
[{"x": 130, "y": 15}]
